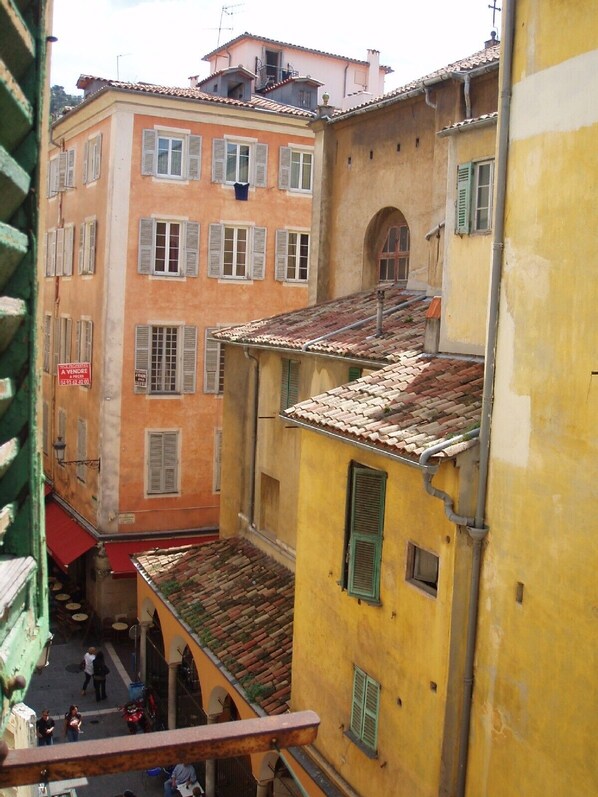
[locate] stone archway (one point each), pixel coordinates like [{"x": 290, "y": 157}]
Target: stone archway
[{"x": 386, "y": 249}]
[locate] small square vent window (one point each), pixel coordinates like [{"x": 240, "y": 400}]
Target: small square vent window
[{"x": 422, "y": 569}]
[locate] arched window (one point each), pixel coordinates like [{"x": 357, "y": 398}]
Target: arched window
[{"x": 393, "y": 260}]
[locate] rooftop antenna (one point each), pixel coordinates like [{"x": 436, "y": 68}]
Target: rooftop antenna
[
  {"x": 122, "y": 55},
  {"x": 227, "y": 10}
]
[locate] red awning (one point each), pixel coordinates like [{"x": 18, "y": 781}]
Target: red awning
[
  {"x": 119, "y": 553},
  {"x": 65, "y": 538}
]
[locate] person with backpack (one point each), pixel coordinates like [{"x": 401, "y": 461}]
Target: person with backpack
[{"x": 100, "y": 671}]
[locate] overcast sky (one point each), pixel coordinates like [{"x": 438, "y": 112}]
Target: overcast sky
[{"x": 163, "y": 41}]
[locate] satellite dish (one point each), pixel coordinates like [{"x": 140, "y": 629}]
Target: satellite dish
[{"x": 135, "y": 632}]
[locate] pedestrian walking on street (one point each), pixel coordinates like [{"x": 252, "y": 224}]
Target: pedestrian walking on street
[
  {"x": 72, "y": 724},
  {"x": 44, "y": 729},
  {"x": 100, "y": 671},
  {"x": 88, "y": 660}
]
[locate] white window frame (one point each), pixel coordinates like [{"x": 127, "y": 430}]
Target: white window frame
[
  {"x": 92, "y": 156},
  {"x": 188, "y": 247},
  {"x": 489, "y": 186},
  {"x": 291, "y": 166},
  {"x": 147, "y": 351},
  {"x": 88, "y": 235},
  {"x": 228, "y": 148},
  {"x": 255, "y": 254},
  {"x": 288, "y": 255},
  {"x": 191, "y": 146},
  {"x": 467, "y": 202},
  {"x": 162, "y": 457}
]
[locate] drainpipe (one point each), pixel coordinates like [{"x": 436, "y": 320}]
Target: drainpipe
[
  {"x": 466, "y": 78},
  {"x": 379, "y": 313},
  {"x": 478, "y": 531},
  {"x": 253, "y": 459},
  {"x": 430, "y": 470}
]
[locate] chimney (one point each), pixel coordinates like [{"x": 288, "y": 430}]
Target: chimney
[
  {"x": 193, "y": 81},
  {"x": 491, "y": 41},
  {"x": 379, "y": 313},
  {"x": 373, "y": 85},
  {"x": 432, "y": 331}
]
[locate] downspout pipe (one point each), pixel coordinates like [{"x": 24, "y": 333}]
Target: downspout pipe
[
  {"x": 479, "y": 530},
  {"x": 465, "y": 77},
  {"x": 253, "y": 458},
  {"x": 430, "y": 470}
]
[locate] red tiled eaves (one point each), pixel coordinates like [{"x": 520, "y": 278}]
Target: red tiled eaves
[
  {"x": 403, "y": 408},
  {"x": 387, "y": 69},
  {"x": 490, "y": 57},
  {"x": 256, "y": 101},
  {"x": 239, "y": 604},
  {"x": 402, "y": 329}
]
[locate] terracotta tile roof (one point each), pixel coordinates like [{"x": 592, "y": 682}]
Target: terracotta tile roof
[
  {"x": 489, "y": 56},
  {"x": 403, "y": 408},
  {"x": 477, "y": 121},
  {"x": 246, "y": 35},
  {"x": 195, "y": 94},
  {"x": 238, "y": 602},
  {"x": 293, "y": 79},
  {"x": 402, "y": 329}
]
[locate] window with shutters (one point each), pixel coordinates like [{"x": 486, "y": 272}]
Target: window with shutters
[
  {"x": 171, "y": 155},
  {"x": 92, "y": 152},
  {"x": 64, "y": 339},
  {"x": 292, "y": 256},
  {"x": 61, "y": 172},
  {"x": 47, "y": 357},
  {"x": 84, "y": 342},
  {"x": 295, "y": 169},
  {"x": 61, "y": 429},
  {"x": 213, "y": 381},
  {"x": 365, "y": 705},
  {"x": 87, "y": 246},
  {"x": 393, "y": 259},
  {"x": 289, "y": 385},
  {"x": 422, "y": 569},
  {"x": 59, "y": 251},
  {"x": 239, "y": 161},
  {"x": 162, "y": 462},
  {"x": 363, "y": 536},
  {"x": 168, "y": 248},
  {"x": 165, "y": 359},
  {"x": 475, "y": 183},
  {"x": 217, "y": 460},
  {"x": 236, "y": 252}
]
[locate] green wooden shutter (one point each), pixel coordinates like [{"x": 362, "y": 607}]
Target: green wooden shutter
[
  {"x": 289, "y": 388},
  {"x": 284, "y": 168},
  {"x": 148, "y": 152},
  {"x": 261, "y": 165},
  {"x": 190, "y": 237},
  {"x": 282, "y": 248},
  {"x": 463, "y": 210},
  {"x": 258, "y": 260},
  {"x": 355, "y": 373},
  {"x": 357, "y": 701},
  {"x": 142, "y": 355},
  {"x": 367, "y": 523},
  {"x": 370, "y": 713},
  {"x": 218, "y": 160},
  {"x": 194, "y": 161},
  {"x": 145, "y": 253},
  {"x": 215, "y": 250}
]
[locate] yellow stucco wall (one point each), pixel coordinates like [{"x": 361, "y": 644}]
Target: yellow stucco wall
[
  {"x": 534, "y": 723},
  {"x": 467, "y": 257},
  {"x": 407, "y": 643}
]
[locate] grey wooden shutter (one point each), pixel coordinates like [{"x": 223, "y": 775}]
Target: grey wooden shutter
[
  {"x": 54, "y": 175},
  {"x": 68, "y": 334},
  {"x": 97, "y": 156},
  {"x": 147, "y": 237},
  {"x": 142, "y": 354},
  {"x": 284, "y": 168},
  {"x": 88, "y": 327},
  {"x": 218, "y": 160},
  {"x": 463, "y": 210},
  {"x": 51, "y": 253},
  {"x": 367, "y": 521},
  {"x": 148, "y": 154},
  {"x": 92, "y": 232},
  {"x": 85, "y": 161},
  {"x": 163, "y": 462},
  {"x": 70, "y": 169},
  {"x": 215, "y": 249},
  {"x": 189, "y": 359},
  {"x": 170, "y": 461},
  {"x": 261, "y": 165},
  {"x": 258, "y": 260},
  {"x": 56, "y": 345},
  {"x": 191, "y": 253},
  {"x": 60, "y": 252},
  {"x": 282, "y": 244},
  {"x": 81, "y": 246},
  {"x": 69, "y": 240},
  {"x": 78, "y": 341},
  {"x": 194, "y": 162},
  {"x": 211, "y": 366},
  {"x": 216, "y": 479},
  {"x": 62, "y": 164}
]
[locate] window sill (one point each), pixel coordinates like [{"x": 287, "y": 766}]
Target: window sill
[{"x": 373, "y": 754}]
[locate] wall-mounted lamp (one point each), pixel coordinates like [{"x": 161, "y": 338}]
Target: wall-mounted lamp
[
  {"x": 60, "y": 446},
  {"x": 44, "y": 659}
]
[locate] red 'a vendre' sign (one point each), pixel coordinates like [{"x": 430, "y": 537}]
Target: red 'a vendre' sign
[{"x": 74, "y": 374}]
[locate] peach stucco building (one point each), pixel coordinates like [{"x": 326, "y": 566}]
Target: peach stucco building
[{"x": 170, "y": 212}]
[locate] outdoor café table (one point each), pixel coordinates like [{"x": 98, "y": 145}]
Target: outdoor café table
[
  {"x": 63, "y": 596},
  {"x": 56, "y": 586},
  {"x": 81, "y": 617},
  {"x": 73, "y": 607},
  {"x": 186, "y": 789}
]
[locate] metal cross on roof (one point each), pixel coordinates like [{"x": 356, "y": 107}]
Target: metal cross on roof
[{"x": 494, "y": 8}]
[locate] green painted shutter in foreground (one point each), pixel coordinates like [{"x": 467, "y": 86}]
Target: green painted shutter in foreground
[{"x": 368, "y": 489}]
